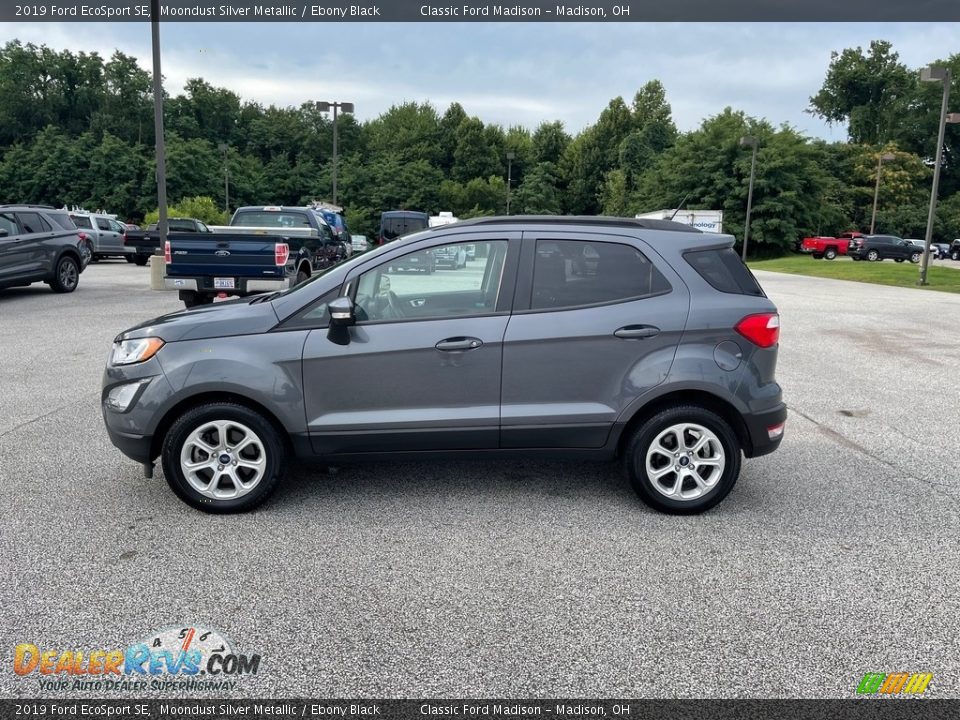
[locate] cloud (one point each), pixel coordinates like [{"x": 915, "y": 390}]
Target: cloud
[{"x": 510, "y": 73}]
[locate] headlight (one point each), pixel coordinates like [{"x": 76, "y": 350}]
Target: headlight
[{"x": 128, "y": 352}]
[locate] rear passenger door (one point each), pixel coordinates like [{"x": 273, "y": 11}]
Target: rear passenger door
[
  {"x": 35, "y": 237},
  {"x": 111, "y": 239},
  {"x": 596, "y": 323},
  {"x": 13, "y": 257}
]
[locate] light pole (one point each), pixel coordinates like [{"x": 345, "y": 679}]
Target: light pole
[
  {"x": 158, "y": 121},
  {"x": 749, "y": 141},
  {"x": 881, "y": 158},
  {"x": 223, "y": 147},
  {"x": 935, "y": 74},
  {"x": 325, "y": 106},
  {"x": 510, "y": 156}
]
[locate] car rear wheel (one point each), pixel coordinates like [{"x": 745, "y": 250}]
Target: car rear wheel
[
  {"x": 302, "y": 276},
  {"x": 830, "y": 254},
  {"x": 223, "y": 458},
  {"x": 898, "y": 260},
  {"x": 683, "y": 460},
  {"x": 140, "y": 260},
  {"x": 873, "y": 256},
  {"x": 915, "y": 258},
  {"x": 816, "y": 256},
  {"x": 955, "y": 255},
  {"x": 66, "y": 276}
]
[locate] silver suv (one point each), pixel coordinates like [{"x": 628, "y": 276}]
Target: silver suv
[{"x": 565, "y": 337}]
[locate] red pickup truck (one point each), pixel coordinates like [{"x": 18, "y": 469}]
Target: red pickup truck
[{"x": 828, "y": 247}]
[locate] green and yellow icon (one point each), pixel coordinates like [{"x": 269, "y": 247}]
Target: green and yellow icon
[{"x": 894, "y": 683}]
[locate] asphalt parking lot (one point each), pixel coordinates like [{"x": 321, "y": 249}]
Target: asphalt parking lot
[{"x": 833, "y": 557}]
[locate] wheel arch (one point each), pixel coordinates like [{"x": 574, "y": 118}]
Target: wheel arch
[
  {"x": 207, "y": 398},
  {"x": 74, "y": 255},
  {"x": 690, "y": 396}
]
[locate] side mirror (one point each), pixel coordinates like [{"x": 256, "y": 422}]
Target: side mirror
[
  {"x": 342, "y": 312},
  {"x": 342, "y": 316}
]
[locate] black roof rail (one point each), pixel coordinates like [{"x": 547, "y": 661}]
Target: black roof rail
[{"x": 606, "y": 221}]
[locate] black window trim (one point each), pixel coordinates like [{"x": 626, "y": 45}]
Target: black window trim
[
  {"x": 523, "y": 300},
  {"x": 711, "y": 285}
]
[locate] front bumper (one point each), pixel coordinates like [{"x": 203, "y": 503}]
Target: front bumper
[
  {"x": 135, "y": 447},
  {"x": 759, "y": 426}
]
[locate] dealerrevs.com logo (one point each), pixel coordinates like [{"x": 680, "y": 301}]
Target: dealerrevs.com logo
[{"x": 185, "y": 658}]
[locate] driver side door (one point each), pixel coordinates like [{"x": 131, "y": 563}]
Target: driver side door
[{"x": 422, "y": 367}]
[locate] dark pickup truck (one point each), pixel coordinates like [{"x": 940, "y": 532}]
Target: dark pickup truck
[
  {"x": 145, "y": 243},
  {"x": 264, "y": 249}
]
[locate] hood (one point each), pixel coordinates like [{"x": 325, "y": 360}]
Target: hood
[{"x": 234, "y": 317}]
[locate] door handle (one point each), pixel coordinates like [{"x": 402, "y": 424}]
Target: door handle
[
  {"x": 458, "y": 343},
  {"x": 637, "y": 332}
]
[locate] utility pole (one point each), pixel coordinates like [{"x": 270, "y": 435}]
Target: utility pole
[{"x": 158, "y": 121}]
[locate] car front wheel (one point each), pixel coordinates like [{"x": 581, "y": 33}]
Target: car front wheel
[
  {"x": 915, "y": 258},
  {"x": 223, "y": 458},
  {"x": 873, "y": 256},
  {"x": 683, "y": 460}
]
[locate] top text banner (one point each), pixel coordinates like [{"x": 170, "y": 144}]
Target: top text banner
[{"x": 479, "y": 11}]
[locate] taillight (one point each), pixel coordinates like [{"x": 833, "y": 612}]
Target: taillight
[
  {"x": 762, "y": 329},
  {"x": 167, "y": 256},
  {"x": 281, "y": 253},
  {"x": 82, "y": 236}
]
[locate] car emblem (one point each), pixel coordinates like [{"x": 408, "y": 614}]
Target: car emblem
[{"x": 222, "y": 253}]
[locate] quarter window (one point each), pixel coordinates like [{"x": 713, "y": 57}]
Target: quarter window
[
  {"x": 82, "y": 222},
  {"x": 455, "y": 280},
  {"x": 574, "y": 273}
]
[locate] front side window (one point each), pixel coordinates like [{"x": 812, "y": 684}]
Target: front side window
[
  {"x": 9, "y": 223},
  {"x": 103, "y": 224},
  {"x": 418, "y": 286},
  {"x": 574, "y": 273}
]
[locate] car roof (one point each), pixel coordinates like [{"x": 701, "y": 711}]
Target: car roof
[
  {"x": 26, "y": 206},
  {"x": 583, "y": 220}
]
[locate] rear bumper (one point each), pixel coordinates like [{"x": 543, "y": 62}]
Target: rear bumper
[
  {"x": 761, "y": 426},
  {"x": 244, "y": 285}
]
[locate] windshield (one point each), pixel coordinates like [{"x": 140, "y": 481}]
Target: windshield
[{"x": 394, "y": 226}]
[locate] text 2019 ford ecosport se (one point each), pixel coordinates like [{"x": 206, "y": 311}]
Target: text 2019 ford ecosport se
[{"x": 562, "y": 337}]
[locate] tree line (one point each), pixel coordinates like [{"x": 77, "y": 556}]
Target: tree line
[{"x": 77, "y": 129}]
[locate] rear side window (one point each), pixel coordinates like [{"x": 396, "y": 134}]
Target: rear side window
[
  {"x": 62, "y": 220},
  {"x": 33, "y": 223},
  {"x": 82, "y": 222},
  {"x": 574, "y": 273},
  {"x": 724, "y": 270}
]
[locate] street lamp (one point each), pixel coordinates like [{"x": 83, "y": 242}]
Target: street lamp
[
  {"x": 936, "y": 74},
  {"x": 347, "y": 107},
  {"x": 749, "y": 141},
  {"x": 510, "y": 156},
  {"x": 223, "y": 147},
  {"x": 882, "y": 158}
]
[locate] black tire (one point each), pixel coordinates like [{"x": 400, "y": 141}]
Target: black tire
[
  {"x": 66, "y": 276},
  {"x": 899, "y": 260},
  {"x": 955, "y": 255},
  {"x": 302, "y": 276},
  {"x": 873, "y": 256},
  {"x": 635, "y": 454},
  {"x": 855, "y": 258},
  {"x": 816, "y": 256},
  {"x": 267, "y": 434},
  {"x": 140, "y": 260},
  {"x": 915, "y": 258},
  {"x": 130, "y": 259},
  {"x": 830, "y": 254}
]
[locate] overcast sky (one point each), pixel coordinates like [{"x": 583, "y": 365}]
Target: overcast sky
[{"x": 521, "y": 73}]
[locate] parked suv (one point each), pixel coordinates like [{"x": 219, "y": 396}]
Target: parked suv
[
  {"x": 881, "y": 247},
  {"x": 105, "y": 232},
  {"x": 662, "y": 353},
  {"x": 40, "y": 244}
]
